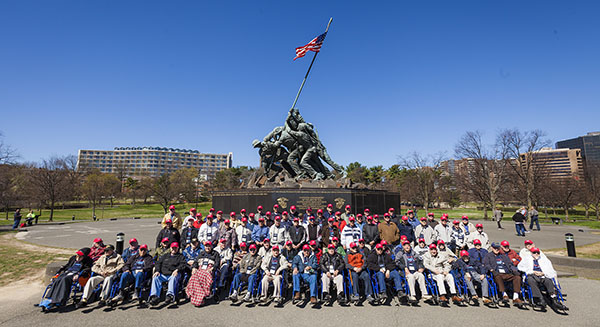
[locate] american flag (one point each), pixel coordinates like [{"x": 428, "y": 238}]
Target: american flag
[{"x": 314, "y": 45}]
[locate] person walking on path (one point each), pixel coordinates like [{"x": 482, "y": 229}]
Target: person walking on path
[
  {"x": 534, "y": 215},
  {"x": 498, "y": 217},
  {"x": 17, "y": 219},
  {"x": 519, "y": 220}
]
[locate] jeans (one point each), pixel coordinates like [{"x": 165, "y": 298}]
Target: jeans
[
  {"x": 536, "y": 220},
  {"x": 237, "y": 280},
  {"x": 310, "y": 279},
  {"x": 157, "y": 284},
  {"x": 16, "y": 223},
  {"x": 364, "y": 277},
  {"x": 223, "y": 274},
  {"x": 129, "y": 277},
  {"x": 520, "y": 229},
  {"x": 394, "y": 275}
]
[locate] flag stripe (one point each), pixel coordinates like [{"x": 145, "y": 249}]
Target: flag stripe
[{"x": 314, "y": 45}]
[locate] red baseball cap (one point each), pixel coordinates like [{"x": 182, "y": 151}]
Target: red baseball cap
[
  {"x": 348, "y": 206},
  {"x": 369, "y": 218},
  {"x": 293, "y": 208},
  {"x": 455, "y": 222},
  {"x": 444, "y": 218},
  {"x": 505, "y": 243},
  {"x": 313, "y": 243},
  {"x": 404, "y": 218},
  {"x": 174, "y": 245},
  {"x": 383, "y": 242},
  {"x": 440, "y": 242},
  {"x": 206, "y": 243},
  {"x": 252, "y": 246},
  {"x": 259, "y": 208},
  {"x": 331, "y": 219},
  {"x": 362, "y": 240},
  {"x": 329, "y": 205},
  {"x": 528, "y": 242},
  {"x": 276, "y": 206},
  {"x": 193, "y": 210},
  {"x": 277, "y": 217},
  {"x": 164, "y": 240},
  {"x": 391, "y": 209},
  {"x": 232, "y": 213},
  {"x": 337, "y": 213},
  {"x": 421, "y": 240},
  {"x": 359, "y": 215},
  {"x": 379, "y": 246},
  {"x": 306, "y": 247},
  {"x": 168, "y": 221},
  {"x": 335, "y": 239},
  {"x": 403, "y": 237},
  {"x": 244, "y": 219},
  {"x": 367, "y": 210},
  {"x": 405, "y": 242},
  {"x": 479, "y": 226},
  {"x": 171, "y": 207},
  {"x": 409, "y": 211},
  {"x": 133, "y": 240},
  {"x": 430, "y": 214},
  {"x": 535, "y": 250},
  {"x": 267, "y": 240},
  {"x": 331, "y": 246},
  {"x": 243, "y": 210},
  {"x": 288, "y": 243},
  {"x": 97, "y": 240},
  {"x": 276, "y": 247},
  {"x": 252, "y": 215},
  {"x": 351, "y": 218},
  {"x": 320, "y": 211},
  {"x": 423, "y": 218},
  {"x": 226, "y": 221},
  {"x": 211, "y": 210},
  {"x": 432, "y": 246},
  {"x": 285, "y": 213},
  {"x": 268, "y": 213},
  {"x": 222, "y": 240},
  {"x": 386, "y": 215},
  {"x": 375, "y": 216},
  {"x": 243, "y": 245},
  {"x": 464, "y": 253},
  {"x": 220, "y": 212},
  {"x": 261, "y": 219},
  {"x": 476, "y": 241},
  {"x": 144, "y": 247},
  {"x": 198, "y": 215},
  {"x": 465, "y": 217},
  {"x": 295, "y": 218},
  {"x": 353, "y": 245},
  {"x": 79, "y": 253},
  {"x": 309, "y": 209}
]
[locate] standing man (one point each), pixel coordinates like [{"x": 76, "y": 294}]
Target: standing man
[
  {"x": 209, "y": 231},
  {"x": 329, "y": 213},
  {"x": 443, "y": 231},
  {"x": 17, "y": 219},
  {"x": 351, "y": 233},
  {"x": 535, "y": 218},
  {"x": 406, "y": 229},
  {"x": 347, "y": 213},
  {"x": 297, "y": 234},
  {"x": 431, "y": 220},
  {"x": 519, "y": 220},
  {"x": 425, "y": 232},
  {"x": 174, "y": 216},
  {"x": 388, "y": 231},
  {"x": 412, "y": 219},
  {"x": 191, "y": 216},
  {"x": 480, "y": 235},
  {"x": 498, "y": 217}
]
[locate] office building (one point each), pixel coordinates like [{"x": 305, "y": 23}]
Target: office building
[
  {"x": 588, "y": 144},
  {"x": 557, "y": 163}
]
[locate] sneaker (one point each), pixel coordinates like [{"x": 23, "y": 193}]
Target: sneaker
[
  {"x": 370, "y": 299},
  {"x": 118, "y": 298},
  {"x": 326, "y": 297},
  {"x": 248, "y": 297},
  {"x": 426, "y": 297},
  {"x": 277, "y": 300},
  {"x": 234, "y": 296},
  {"x": 135, "y": 295},
  {"x": 354, "y": 297},
  {"x": 383, "y": 295},
  {"x": 169, "y": 298},
  {"x": 487, "y": 300},
  {"x": 527, "y": 231},
  {"x": 341, "y": 298},
  {"x": 412, "y": 298}
]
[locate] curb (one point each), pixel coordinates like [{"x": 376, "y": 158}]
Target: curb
[{"x": 587, "y": 268}]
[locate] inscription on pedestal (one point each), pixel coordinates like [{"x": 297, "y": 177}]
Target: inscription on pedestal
[{"x": 317, "y": 202}]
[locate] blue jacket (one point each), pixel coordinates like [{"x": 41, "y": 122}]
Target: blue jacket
[
  {"x": 489, "y": 262},
  {"x": 128, "y": 253},
  {"x": 414, "y": 222},
  {"x": 477, "y": 255},
  {"x": 408, "y": 231},
  {"x": 465, "y": 267},
  {"x": 298, "y": 262},
  {"x": 260, "y": 233},
  {"x": 190, "y": 253}
]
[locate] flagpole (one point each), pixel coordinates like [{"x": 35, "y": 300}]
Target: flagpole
[{"x": 309, "y": 67}]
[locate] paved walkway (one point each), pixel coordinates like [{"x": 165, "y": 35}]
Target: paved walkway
[{"x": 145, "y": 230}]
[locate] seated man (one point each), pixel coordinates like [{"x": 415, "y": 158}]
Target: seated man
[
  {"x": 169, "y": 232},
  {"x": 409, "y": 262},
  {"x": 105, "y": 269},
  {"x": 189, "y": 233},
  {"x": 168, "y": 268},
  {"x": 273, "y": 265},
  {"x": 502, "y": 269},
  {"x": 443, "y": 250},
  {"x": 332, "y": 264},
  {"x": 356, "y": 264},
  {"x": 135, "y": 270},
  {"x": 473, "y": 271},
  {"x": 97, "y": 249},
  {"x": 163, "y": 248},
  {"x": 381, "y": 263},
  {"x": 131, "y": 250},
  {"x": 305, "y": 268},
  {"x": 526, "y": 251},
  {"x": 201, "y": 280},
  {"x": 512, "y": 254},
  {"x": 459, "y": 239},
  {"x": 226, "y": 255},
  {"x": 477, "y": 253},
  {"x": 58, "y": 294},
  {"x": 440, "y": 267},
  {"x": 209, "y": 231},
  {"x": 540, "y": 272},
  {"x": 191, "y": 252},
  {"x": 289, "y": 252},
  {"x": 421, "y": 248},
  {"x": 249, "y": 265}
]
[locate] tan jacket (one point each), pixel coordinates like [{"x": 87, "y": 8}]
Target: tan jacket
[
  {"x": 177, "y": 222},
  {"x": 439, "y": 262},
  {"x": 390, "y": 232},
  {"x": 108, "y": 265}
]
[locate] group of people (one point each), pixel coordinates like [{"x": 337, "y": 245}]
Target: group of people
[{"x": 209, "y": 256}]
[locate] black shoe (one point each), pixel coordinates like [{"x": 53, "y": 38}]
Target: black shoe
[
  {"x": 383, "y": 295},
  {"x": 169, "y": 299},
  {"x": 341, "y": 298},
  {"x": 154, "y": 300},
  {"x": 326, "y": 297},
  {"x": 81, "y": 304},
  {"x": 558, "y": 305}
]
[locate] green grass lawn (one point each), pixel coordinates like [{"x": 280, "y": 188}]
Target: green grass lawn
[{"x": 117, "y": 211}]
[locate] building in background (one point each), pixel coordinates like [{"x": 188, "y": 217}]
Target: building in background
[
  {"x": 153, "y": 161},
  {"x": 589, "y": 146},
  {"x": 556, "y": 163}
]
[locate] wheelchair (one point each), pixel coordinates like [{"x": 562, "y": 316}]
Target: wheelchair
[
  {"x": 497, "y": 299},
  {"x": 254, "y": 292},
  {"x": 380, "y": 296},
  {"x": 333, "y": 292},
  {"x": 75, "y": 292},
  {"x": 282, "y": 290},
  {"x": 179, "y": 292},
  {"x": 560, "y": 298}
]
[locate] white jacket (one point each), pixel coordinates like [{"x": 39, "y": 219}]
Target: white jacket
[
  {"x": 443, "y": 233},
  {"x": 244, "y": 234},
  {"x": 526, "y": 266},
  {"x": 427, "y": 232},
  {"x": 350, "y": 234},
  {"x": 278, "y": 235},
  {"x": 483, "y": 237},
  {"x": 208, "y": 233}
]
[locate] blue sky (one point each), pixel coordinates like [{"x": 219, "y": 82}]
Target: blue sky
[{"x": 392, "y": 77}]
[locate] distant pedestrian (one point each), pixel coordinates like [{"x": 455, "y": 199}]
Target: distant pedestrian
[
  {"x": 30, "y": 217},
  {"x": 519, "y": 220},
  {"x": 498, "y": 217},
  {"x": 17, "y": 219},
  {"x": 534, "y": 215}
]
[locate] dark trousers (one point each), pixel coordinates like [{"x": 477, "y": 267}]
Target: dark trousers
[
  {"x": 60, "y": 290},
  {"x": 534, "y": 220},
  {"x": 535, "y": 282},
  {"x": 501, "y": 278}
]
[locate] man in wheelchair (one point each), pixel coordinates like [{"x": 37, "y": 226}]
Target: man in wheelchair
[
  {"x": 135, "y": 271},
  {"x": 540, "y": 275}
]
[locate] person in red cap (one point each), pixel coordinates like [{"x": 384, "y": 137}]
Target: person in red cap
[
  {"x": 332, "y": 265},
  {"x": 412, "y": 218},
  {"x": 226, "y": 255},
  {"x": 278, "y": 233},
  {"x": 269, "y": 219},
  {"x": 329, "y": 212},
  {"x": 191, "y": 216},
  {"x": 540, "y": 273},
  {"x": 201, "y": 281},
  {"x": 443, "y": 250},
  {"x": 238, "y": 255},
  {"x": 320, "y": 217},
  {"x": 388, "y": 231},
  {"x": 367, "y": 212},
  {"x": 329, "y": 231},
  {"x": 393, "y": 216},
  {"x": 411, "y": 264},
  {"x": 339, "y": 222},
  {"x": 370, "y": 233},
  {"x": 421, "y": 248},
  {"x": 276, "y": 210},
  {"x": 440, "y": 267},
  {"x": 199, "y": 221},
  {"x": 305, "y": 267},
  {"x": 227, "y": 232},
  {"x": 338, "y": 246},
  {"x": 526, "y": 251},
  {"x": 58, "y": 293},
  {"x": 477, "y": 252},
  {"x": 459, "y": 239},
  {"x": 244, "y": 231},
  {"x": 105, "y": 270},
  {"x": 502, "y": 269},
  {"x": 97, "y": 249},
  {"x": 431, "y": 220},
  {"x": 169, "y": 267},
  {"x": 314, "y": 247},
  {"x": 259, "y": 213},
  {"x": 174, "y": 217},
  {"x": 294, "y": 212},
  {"x": 384, "y": 267},
  {"x": 169, "y": 232},
  {"x": 188, "y": 233},
  {"x": 234, "y": 220},
  {"x": 479, "y": 234},
  {"x": 347, "y": 214},
  {"x": 131, "y": 250},
  {"x": 260, "y": 232},
  {"x": 304, "y": 218},
  {"x": 512, "y": 254},
  {"x": 425, "y": 231},
  {"x": 243, "y": 214},
  {"x": 443, "y": 231},
  {"x": 286, "y": 221},
  {"x": 248, "y": 267},
  {"x": 273, "y": 266},
  {"x": 209, "y": 231},
  {"x": 162, "y": 248},
  {"x": 135, "y": 270},
  {"x": 265, "y": 248},
  {"x": 466, "y": 226},
  {"x": 350, "y": 233},
  {"x": 297, "y": 234},
  {"x": 289, "y": 252},
  {"x": 473, "y": 272},
  {"x": 356, "y": 263}
]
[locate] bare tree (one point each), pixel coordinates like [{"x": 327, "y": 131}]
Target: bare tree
[
  {"x": 424, "y": 173},
  {"x": 590, "y": 192},
  {"x": 11, "y": 182},
  {"x": 7, "y": 153},
  {"x": 50, "y": 178},
  {"x": 163, "y": 188},
  {"x": 528, "y": 167},
  {"x": 483, "y": 171},
  {"x": 97, "y": 186}
]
